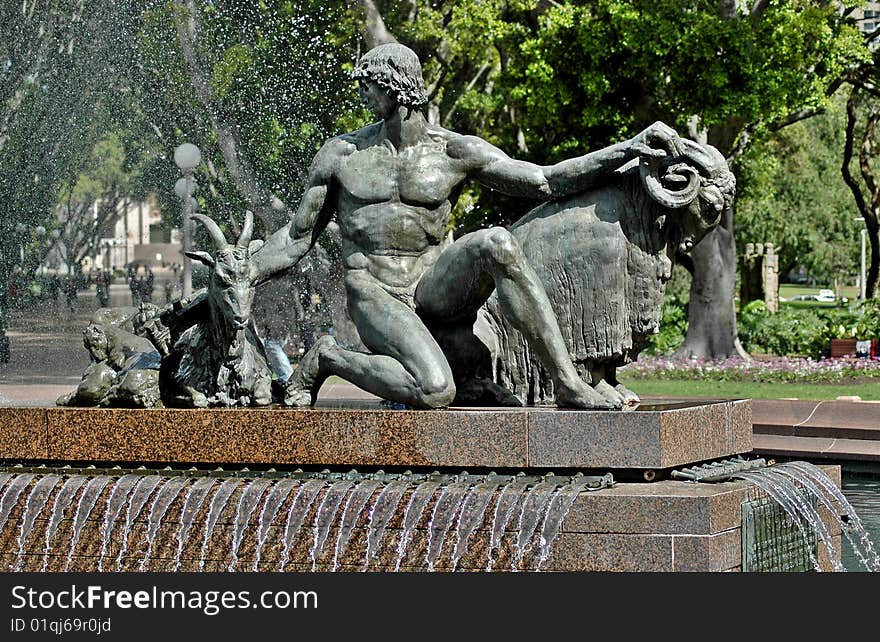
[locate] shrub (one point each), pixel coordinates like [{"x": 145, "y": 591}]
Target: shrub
[{"x": 673, "y": 327}]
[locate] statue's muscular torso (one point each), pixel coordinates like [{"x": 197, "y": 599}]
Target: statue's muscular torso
[{"x": 393, "y": 207}]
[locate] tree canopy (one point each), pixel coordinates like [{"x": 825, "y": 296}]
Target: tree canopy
[{"x": 258, "y": 87}]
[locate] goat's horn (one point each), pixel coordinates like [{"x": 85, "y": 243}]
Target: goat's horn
[
  {"x": 213, "y": 230},
  {"x": 247, "y": 230},
  {"x": 666, "y": 197},
  {"x": 706, "y": 157}
]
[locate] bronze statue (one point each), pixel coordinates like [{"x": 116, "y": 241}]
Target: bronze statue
[
  {"x": 543, "y": 312},
  {"x": 124, "y": 367},
  {"x": 215, "y": 356},
  {"x": 605, "y": 256},
  {"x": 391, "y": 186}
]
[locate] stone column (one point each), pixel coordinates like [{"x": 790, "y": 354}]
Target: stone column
[{"x": 770, "y": 278}]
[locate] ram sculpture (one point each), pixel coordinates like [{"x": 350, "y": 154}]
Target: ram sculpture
[{"x": 604, "y": 257}]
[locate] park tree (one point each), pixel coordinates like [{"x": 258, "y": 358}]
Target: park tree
[
  {"x": 92, "y": 200},
  {"x": 58, "y": 89},
  {"x": 791, "y": 194},
  {"x": 861, "y": 148},
  {"x": 257, "y": 86}
]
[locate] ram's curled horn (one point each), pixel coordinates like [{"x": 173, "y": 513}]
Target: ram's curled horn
[
  {"x": 213, "y": 230},
  {"x": 247, "y": 231},
  {"x": 680, "y": 172}
]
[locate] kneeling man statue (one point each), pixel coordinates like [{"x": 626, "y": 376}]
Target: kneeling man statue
[{"x": 391, "y": 187}]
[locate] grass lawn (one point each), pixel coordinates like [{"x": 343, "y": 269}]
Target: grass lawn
[
  {"x": 788, "y": 290},
  {"x": 728, "y": 389}
]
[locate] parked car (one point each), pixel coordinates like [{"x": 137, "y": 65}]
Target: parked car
[{"x": 824, "y": 296}]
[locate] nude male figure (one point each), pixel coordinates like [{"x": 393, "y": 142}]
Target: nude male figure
[{"x": 391, "y": 186}]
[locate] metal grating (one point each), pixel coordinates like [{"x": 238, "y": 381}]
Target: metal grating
[{"x": 771, "y": 542}]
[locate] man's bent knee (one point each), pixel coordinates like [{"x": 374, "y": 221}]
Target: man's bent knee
[
  {"x": 499, "y": 247},
  {"x": 437, "y": 392}
]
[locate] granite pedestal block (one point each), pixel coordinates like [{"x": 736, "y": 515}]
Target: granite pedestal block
[
  {"x": 651, "y": 437},
  {"x": 665, "y": 525}
]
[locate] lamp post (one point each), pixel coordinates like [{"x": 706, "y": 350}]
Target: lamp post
[
  {"x": 187, "y": 157},
  {"x": 862, "y": 284},
  {"x": 40, "y": 231}
]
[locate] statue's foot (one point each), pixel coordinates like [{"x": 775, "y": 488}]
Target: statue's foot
[
  {"x": 584, "y": 397},
  {"x": 189, "y": 397},
  {"x": 608, "y": 392},
  {"x": 303, "y": 386},
  {"x": 262, "y": 395},
  {"x": 629, "y": 397}
]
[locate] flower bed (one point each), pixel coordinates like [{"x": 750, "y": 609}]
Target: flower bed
[{"x": 769, "y": 370}]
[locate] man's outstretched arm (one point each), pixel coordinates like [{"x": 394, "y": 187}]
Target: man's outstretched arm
[
  {"x": 493, "y": 168},
  {"x": 284, "y": 249}
]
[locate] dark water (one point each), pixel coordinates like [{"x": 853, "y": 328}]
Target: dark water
[{"x": 863, "y": 492}]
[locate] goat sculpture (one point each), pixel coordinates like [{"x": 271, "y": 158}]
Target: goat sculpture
[
  {"x": 604, "y": 257},
  {"x": 216, "y": 356}
]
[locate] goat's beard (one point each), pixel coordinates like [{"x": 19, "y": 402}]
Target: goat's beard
[{"x": 237, "y": 376}]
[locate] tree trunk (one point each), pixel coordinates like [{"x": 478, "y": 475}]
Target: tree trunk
[{"x": 711, "y": 312}]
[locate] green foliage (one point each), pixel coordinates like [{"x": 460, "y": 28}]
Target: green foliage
[
  {"x": 639, "y": 61},
  {"x": 673, "y": 327},
  {"x": 546, "y": 81},
  {"x": 60, "y": 93},
  {"x": 790, "y": 193},
  {"x": 789, "y": 332},
  {"x": 804, "y": 331},
  {"x": 277, "y": 77}
]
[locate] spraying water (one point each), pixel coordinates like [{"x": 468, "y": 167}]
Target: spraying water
[
  {"x": 786, "y": 500},
  {"x": 10, "y": 497},
  {"x": 324, "y": 517},
  {"x": 412, "y": 515},
  {"x": 274, "y": 501},
  {"x": 118, "y": 498},
  {"x": 299, "y": 508},
  {"x": 246, "y": 505},
  {"x": 473, "y": 511},
  {"x": 385, "y": 506},
  {"x": 535, "y": 503},
  {"x": 139, "y": 497},
  {"x": 353, "y": 508},
  {"x": 193, "y": 503},
  {"x": 63, "y": 500},
  {"x": 218, "y": 503},
  {"x": 34, "y": 505},
  {"x": 444, "y": 512},
  {"x": 164, "y": 499},
  {"x": 504, "y": 509},
  {"x": 555, "y": 516},
  {"x": 87, "y": 501},
  {"x": 825, "y": 488}
]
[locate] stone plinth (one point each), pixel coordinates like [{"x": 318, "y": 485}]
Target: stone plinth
[
  {"x": 365, "y": 434},
  {"x": 660, "y": 526}
]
